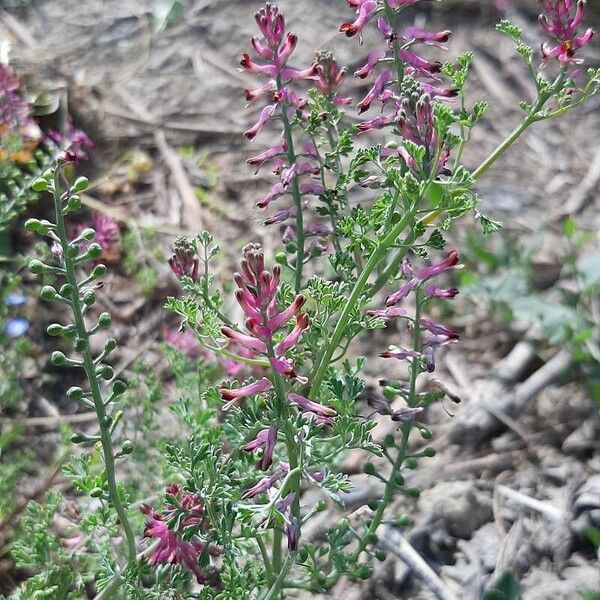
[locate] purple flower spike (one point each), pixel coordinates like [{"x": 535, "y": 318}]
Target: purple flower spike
[{"x": 184, "y": 262}]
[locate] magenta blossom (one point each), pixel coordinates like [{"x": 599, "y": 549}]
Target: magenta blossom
[
  {"x": 265, "y": 439},
  {"x": 561, "y": 19},
  {"x": 184, "y": 261},
  {"x": 168, "y": 531}
]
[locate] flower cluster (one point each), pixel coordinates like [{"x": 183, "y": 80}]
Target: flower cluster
[
  {"x": 73, "y": 143},
  {"x": 561, "y": 19},
  {"x": 184, "y": 260},
  {"x": 256, "y": 294},
  {"x": 181, "y": 532},
  {"x": 417, "y": 79},
  {"x": 296, "y": 170},
  {"x": 433, "y": 335}
]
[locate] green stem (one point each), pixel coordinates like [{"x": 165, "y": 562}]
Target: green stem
[
  {"x": 291, "y": 155},
  {"x": 375, "y": 258},
  {"x": 388, "y": 494},
  {"x": 266, "y": 559},
  {"x": 90, "y": 371}
]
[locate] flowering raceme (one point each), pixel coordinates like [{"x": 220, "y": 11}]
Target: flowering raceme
[
  {"x": 257, "y": 296},
  {"x": 561, "y": 19},
  {"x": 433, "y": 335},
  {"x": 181, "y": 532},
  {"x": 412, "y": 110},
  {"x": 296, "y": 169}
]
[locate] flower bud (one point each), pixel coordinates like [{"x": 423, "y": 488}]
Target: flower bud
[
  {"x": 66, "y": 290},
  {"x": 373, "y": 504},
  {"x": 389, "y": 441},
  {"x": 429, "y": 452},
  {"x": 320, "y": 506},
  {"x": 97, "y": 492},
  {"x": 72, "y": 251},
  {"x": 399, "y": 479},
  {"x": 55, "y": 330},
  {"x": 89, "y": 298},
  {"x": 110, "y": 345},
  {"x": 94, "y": 251},
  {"x": 412, "y": 493},
  {"x": 425, "y": 433},
  {"x": 104, "y": 372},
  {"x": 88, "y": 234},
  {"x": 402, "y": 521},
  {"x": 74, "y": 393},
  {"x": 78, "y": 438},
  {"x": 73, "y": 203},
  {"x": 379, "y": 555},
  {"x": 79, "y": 345}
]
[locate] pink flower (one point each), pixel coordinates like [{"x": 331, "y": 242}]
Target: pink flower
[
  {"x": 376, "y": 90},
  {"x": 265, "y": 114},
  {"x": 168, "y": 530},
  {"x": 372, "y": 60},
  {"x": 184, "y": 261},
  {"x": 399, "y": 353},
  {"x": 232, "y": 395},
  {"x": 365, "y": 11},
  {"x": 266, "y": 439},
  {"x": 310, "y": 406},
  {"x": 560, "y": 19},
  {"x": 450, "y": 262},
  {"x": 433, "y": 38},
  {"x": 266, "y": 483}
]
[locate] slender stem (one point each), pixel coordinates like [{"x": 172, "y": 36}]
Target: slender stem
[
  {"x": 503, "y": 147},
  {"x": 90, "y": 371},
  {"x": 391, "y": 17},
  {"x": 291, "y": 155},
  {"x": 266, "y": 559},
  {"x": 388, "y": 494},
  {"x": 375, "y": 258}
]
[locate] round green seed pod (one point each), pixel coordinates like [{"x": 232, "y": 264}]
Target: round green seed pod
[
  {"x": 58, "y": 358},
  {"x": 39, "y": 185},
  {"x": 81, "y": 184},
  {"x": 411, "y": 463},
  {"x": 74, "y": 393},
  {"x": 369, "y": 469},
  {"x": 55, "y": 330},
  {"x": 429, "y": 452},
  {"x": 104, "y": 320},
  {"x": 118, "y": 387},
  {"x": 127, "y": 447},
  {"x": 37, "y": 267}
]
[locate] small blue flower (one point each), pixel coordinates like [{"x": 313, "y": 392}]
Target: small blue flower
[
  {"x": 16, "y": 327},
  {"x": 15, "y": 299}
]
